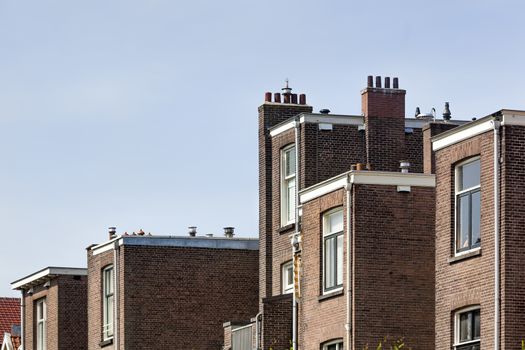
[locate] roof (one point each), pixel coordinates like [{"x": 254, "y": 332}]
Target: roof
[
  {"x": 9, "y": 314},
  {"x": 46, "y": 274}
]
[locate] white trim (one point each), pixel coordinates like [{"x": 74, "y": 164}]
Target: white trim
[
  {"x": 286, "y": 288},
  {"x": 339, "y": 342},
  {"x": 104, "y": 247},
  {"x": 367, "y": 178},
  {"x": 332, "y": 235},
  {"x": 462, "y": 133},
  {"x": 457, "y": 326},
  {"x": 48, "y": 272},
  {"x": 513, "y": 118},
  {"x": 282, "y": 128}
]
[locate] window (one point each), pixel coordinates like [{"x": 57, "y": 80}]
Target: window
[
  {"x": 41, "y": 331},
  {"x": 468, "y": 200},
  {"x": 288, "y": 185},
  {"x": 333, "y": 250},
  {"x": 287, "y": 277},
  {"x": 333, "y": 345},
  {"x": 467, "y": 330},
  {"x": 107, "y": 309}
]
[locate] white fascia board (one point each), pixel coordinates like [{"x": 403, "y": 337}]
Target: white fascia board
[
  {"x": 48, "y": 271},
  {"x": 388, "y": 178},
  {"x": 106, "y": 246},
  {"x": 282, "y": 128},
  {"x": 513, "y": 118},
  {"x": 462, "y": 133},
  {"x": 318, "y": 118},
  {"x": 383, "y": 178},
  {"x": 416, "y": 123},
  {"x": 323, "y": 188}
]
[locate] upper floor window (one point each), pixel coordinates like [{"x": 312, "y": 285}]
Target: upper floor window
[
  {"x": 467, "y": 329},
  {"x": 287, "y": 277},
  {"x": 108, "y": 290},
  {"x": 468, "y": 205},
  {"x": 333, "y": 250},
  {"x": 334, "y": 345},
  {"x": 41, "y": 320},
  {"x": 288, "y": 160}
]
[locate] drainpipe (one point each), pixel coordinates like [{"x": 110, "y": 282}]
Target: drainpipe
[
  {"x": 116, "y": 260},
  {"x": 496, "y": 125},
  {"x": 22, "y": 318},
  {"x": 348, "y": 325},
  {"x": 295, "y": 240},
  {"x": 258, "y": 331}
]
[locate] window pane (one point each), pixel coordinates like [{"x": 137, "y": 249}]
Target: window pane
[
  {"x": 289, "y": 273},
  {"x": 290, "y": 162},
  {"x": 340, "y": 260},
  {"x": 465, "y": 327},
  {"x": 291, "y": 199},
  {"x": 464, "y": 222},
  {"x": 475, "y": 226},
  {"x": 469, "y": 175},
  {"x": 329, "y": 258},
  {"x": 109, "y": 316},
  {"x": 335, "y": 222},
  {"x": 476, "y": 324}
]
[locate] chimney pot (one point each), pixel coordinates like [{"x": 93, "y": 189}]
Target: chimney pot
[
  {"x": 302, "y": 99},
  {"x": 228, "y": 232},
  {"x": 192, "y": 231},
  {"x": 387, "y": 82},
  {"x": 446, "y": 112},
  {"x": 294, "y": 98},
  {"x": 277, "y": 97},
  {"x": 286, "y": 98},
  {"x": 112, "y": 232},
  {"x": 268, "y": 97},
  {"x": 396, "y": 83},
  {"x": 370, "y": 81},
  {"x": 378, "y": 82}
]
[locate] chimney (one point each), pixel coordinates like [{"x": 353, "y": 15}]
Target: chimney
[
  {"x": 192, "y": 231},
  {"x": 228, "y": 232},
  {"x": 384, "y": 113},
  {"x": 112, "y": 232}
]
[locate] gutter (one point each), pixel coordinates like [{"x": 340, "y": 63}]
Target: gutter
[
  {"x": 348, "y": 325},
  {"x": 295, "y": 239},
  {"x": 116, "y": 267}
]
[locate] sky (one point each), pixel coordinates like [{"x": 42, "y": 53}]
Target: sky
[{"x": 142, "y": 114}]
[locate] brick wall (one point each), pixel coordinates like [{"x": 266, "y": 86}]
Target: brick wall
[
  {"x": 176, "y": 297},
  {"x": 277, "y": 322},
  {"x": 469, "y": 281}
]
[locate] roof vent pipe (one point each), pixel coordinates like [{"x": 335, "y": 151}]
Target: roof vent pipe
[
  {"x": 446, "y": 112},
  {"x": 324, "y": 111},
  {"x": 209, "y": 235},
  {"x": 404, "y": 165},
  {"x": 228, "y": 232},
  {"x": 112, "y": 232},
  {"x": 192, "y": 231}
]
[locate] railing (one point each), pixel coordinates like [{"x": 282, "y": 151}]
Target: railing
[{"x": 242, "y": 338}]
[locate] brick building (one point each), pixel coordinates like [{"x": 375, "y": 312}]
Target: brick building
[
  {"x": 343, "y": 171},
  {"x": 169, "y": 292},
  {"x": 54, "y": 305},
  {"x": 480, "y": 193}
]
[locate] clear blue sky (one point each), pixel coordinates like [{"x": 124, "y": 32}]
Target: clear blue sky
[{"x": 143, "y": 114}]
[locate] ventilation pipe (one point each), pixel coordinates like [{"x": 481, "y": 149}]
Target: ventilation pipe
[
  {"x": 496, "y": 125},
  {"x": 192, "y": 231},
  {"x": 228, "y": 232}
]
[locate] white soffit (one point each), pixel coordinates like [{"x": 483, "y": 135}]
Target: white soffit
[
  {"x": 49, "y": 271},
  {"x": 367, "y": 178}
]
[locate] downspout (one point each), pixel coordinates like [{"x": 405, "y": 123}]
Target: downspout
[
  {"x": 258, "y": 331},
  {"x": 496, "y": 124},
  {"x": 22, "y": 318},
  {"x": 295, "y": 239},
  {"x": 116, "y": 259},
  {"x": 348, "y": 325}
]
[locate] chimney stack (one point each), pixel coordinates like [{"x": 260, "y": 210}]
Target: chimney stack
[
  {"x": 228, "y": 232},
  {"x": 285, "y": 96},
  {"x": 192, "y": 231}
]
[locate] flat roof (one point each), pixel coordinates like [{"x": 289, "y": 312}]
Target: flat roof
[
  {"x": 46, "y": 274},
  {"x": 178, "y": 241}
]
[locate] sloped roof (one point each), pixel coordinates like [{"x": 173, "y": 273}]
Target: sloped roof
[{"x": 9, "y": 314}]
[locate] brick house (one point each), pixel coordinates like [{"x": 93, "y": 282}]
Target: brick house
[
  {"x": 54, "y": 305},
  {"x": 169, "y": 292},
  {"x": 479, "y": 233},
  {"x": 344, "y": 172}
]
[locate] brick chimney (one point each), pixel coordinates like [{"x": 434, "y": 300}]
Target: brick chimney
[{"x": 384, "y": 112}]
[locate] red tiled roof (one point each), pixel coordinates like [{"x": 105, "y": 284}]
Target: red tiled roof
[{"x": 9, "y": 315}]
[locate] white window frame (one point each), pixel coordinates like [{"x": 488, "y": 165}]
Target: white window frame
[
  {"x": 41, "y": 324},
  {"x": 108, "y": 316},
  {"x": 338, "y": 343},
  {"x": 457, "y": 343},
  {"x": 457, "y": 194},
  {"x": 287, "y": 211},
  {"x": 339, "y": 265},
  {"x": 287, "y": 269}
]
